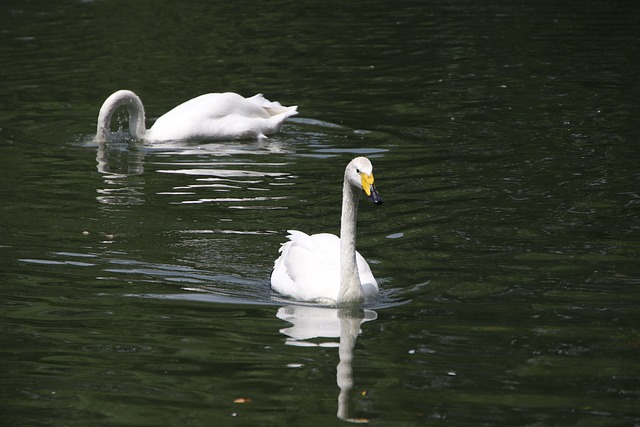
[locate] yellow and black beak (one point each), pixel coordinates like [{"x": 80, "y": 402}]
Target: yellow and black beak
[{"x": 370, "y": 189}]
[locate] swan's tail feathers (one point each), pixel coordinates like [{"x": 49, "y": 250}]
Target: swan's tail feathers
[
  {"x": 274, "y": 108},
  {"x": 296, "y": 235},
  {"x": 290, "y": 111}
]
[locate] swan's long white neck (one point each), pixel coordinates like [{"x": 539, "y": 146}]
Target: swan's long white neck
[
  {"x": 135, "y": 108},
  {"x": 350, "y": 286}
]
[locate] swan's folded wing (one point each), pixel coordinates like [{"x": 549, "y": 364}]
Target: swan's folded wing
[
  {"x": 368, "y": 282},
  {"x": 308, "y": 267}
]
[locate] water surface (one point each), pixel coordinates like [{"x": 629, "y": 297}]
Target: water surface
[{"x": 135, "y": 277}]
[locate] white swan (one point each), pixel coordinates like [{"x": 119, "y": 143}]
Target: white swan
[
  {"x": 326, "y": 268},
  {"x": 210, "y": 116}
]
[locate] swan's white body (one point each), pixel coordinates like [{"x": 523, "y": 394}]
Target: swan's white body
[
  {"x": 326, "y": 268},
  {"x": 308, "y": 269},
  {"x": 210, "y": 116}
]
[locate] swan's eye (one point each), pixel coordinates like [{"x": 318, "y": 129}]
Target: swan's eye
[{"x": 357, "y": 170}]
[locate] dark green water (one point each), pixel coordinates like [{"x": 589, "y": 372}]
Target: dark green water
[{"x": 134, "y": 280}]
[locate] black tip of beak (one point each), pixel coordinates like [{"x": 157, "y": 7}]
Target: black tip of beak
[{"x": 374, "y": 196}]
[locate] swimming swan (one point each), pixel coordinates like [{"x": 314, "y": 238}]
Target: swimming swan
[
  {"x": 324, "y": 267},
  {"x": 210, "y": 116}
]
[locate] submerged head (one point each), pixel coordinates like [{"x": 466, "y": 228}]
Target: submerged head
[{"x": 359, "y": 173}]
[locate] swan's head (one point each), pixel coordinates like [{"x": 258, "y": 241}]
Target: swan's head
[{"x": 359, "y": 173}]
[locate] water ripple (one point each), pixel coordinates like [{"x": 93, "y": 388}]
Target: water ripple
[{"x": 224, "y": 173}]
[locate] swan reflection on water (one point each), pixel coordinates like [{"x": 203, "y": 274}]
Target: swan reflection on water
[
  {"x": 120, "y": 160},
  {"x": 125, "y": 156},
  {"x": 309, "y": 324},
  {"x": 116, "y": 162}
]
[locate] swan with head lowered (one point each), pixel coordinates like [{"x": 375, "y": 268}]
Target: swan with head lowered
[
  {"x": 326, "y": 268},
  {"x": 210, "y": 116}
]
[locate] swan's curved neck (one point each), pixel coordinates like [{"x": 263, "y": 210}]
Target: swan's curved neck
[
  {"x": 350, "y": 286},
  {"x": 135, "y": 108}
]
